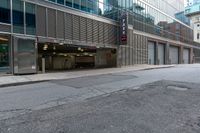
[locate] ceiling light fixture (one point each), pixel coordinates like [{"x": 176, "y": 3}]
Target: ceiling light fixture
[{"x": 3, "y": 39}]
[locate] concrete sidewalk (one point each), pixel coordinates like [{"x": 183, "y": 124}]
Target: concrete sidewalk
[{"x": 26, "y": 79}]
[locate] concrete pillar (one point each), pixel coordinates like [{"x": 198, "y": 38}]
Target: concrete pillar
[
  {"x": 156, "y": 53},
  {"x": 167, "y": 61},
  {"x": 191, "y": 55},
  {"x": 181, "y": 61},
  {"x": 119, "y": 56}
]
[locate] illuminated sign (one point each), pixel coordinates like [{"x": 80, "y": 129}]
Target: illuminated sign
[{"x": 124, "y": 28}]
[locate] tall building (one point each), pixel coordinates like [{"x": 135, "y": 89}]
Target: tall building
[
  {"x": 69, "y": 34},
  {"x": 193, "y": 12},
  {"x": 189, "y": 2}
]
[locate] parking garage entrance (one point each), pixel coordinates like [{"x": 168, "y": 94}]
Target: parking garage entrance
[{"x": 62, "y": 57}]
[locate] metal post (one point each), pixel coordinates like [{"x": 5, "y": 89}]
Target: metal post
[{"x": 43, "y": 65}]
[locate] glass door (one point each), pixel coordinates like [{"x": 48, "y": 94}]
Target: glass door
[{"x": 4, "y": 56}]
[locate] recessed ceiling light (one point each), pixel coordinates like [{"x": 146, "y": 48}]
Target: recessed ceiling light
[{"x": 3, "y": 39}]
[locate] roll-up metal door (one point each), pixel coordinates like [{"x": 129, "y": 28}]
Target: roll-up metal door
[
  {"x": 186, "y": 55},
  {"x": 161, "y": 54},
  {"x": 151, "y": 53},
  {"x": 173, "y": 54}
]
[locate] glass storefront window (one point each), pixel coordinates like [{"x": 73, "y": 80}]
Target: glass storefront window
[
  {"x": 30, "y": 19},
  {"x": 76, "y": 4},
  {"x": 4, "y": 54},
  {"x": 5, "y": 11},
  {"x": 60, "y": 2},
  {"x": 18, "y": 16},
  {"x": 68, "y": 3}
]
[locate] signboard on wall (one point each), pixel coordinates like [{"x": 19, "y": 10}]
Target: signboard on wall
[{"x": 124, "y": 29}]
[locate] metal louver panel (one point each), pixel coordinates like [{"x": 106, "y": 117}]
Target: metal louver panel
[
  {"x": 89, "y": 30},
  {"x": 106, "y": 38},
  {"x": 68, "y": 26},
  {"x": 60, "y": 24},
  {"x": 76, "y": 28},
  {"x": 41, "y": 21},
  {"x": 51, "y": 23},
  {"x": 100, "y": 32},
  {"x": 95, "y": 31},
  {"x": 83, "y": 29},
  {"x": 111, "y": 34}
]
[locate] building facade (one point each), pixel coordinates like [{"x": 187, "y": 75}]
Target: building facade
[
  {"x": 67, "y": 34},
  {"x": 193, "y": 12}
]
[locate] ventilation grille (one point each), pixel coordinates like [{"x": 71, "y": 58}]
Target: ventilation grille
[
  {"x": 100, "y": 32},
  {"x": 68, "y": 26},
  {"x": 76, "y": 27},
  {"x": 83, "y": 29},
  {"x": 89, "y": 30},
  {"x": 106, "y": 30},
  {"x": 95, "y": 32}
]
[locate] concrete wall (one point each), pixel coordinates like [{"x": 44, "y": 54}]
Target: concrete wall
[
  {"x": 105, "y": 58},
  {"x": 135, "y": 52}
]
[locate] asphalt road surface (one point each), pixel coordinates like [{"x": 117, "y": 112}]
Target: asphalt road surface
[{"x": 152, "y": 101}]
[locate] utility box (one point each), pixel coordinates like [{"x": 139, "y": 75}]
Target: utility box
[{"x": 24, "y": 55}]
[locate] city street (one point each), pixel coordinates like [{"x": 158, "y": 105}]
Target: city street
[{"x": 165, "y": 100}]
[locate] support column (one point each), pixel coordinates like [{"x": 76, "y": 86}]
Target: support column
[
  {"x": 119, "y": 56},
  {"x": 191, "y": 56},
  {"x": 181, "y": 61},
  {"x": 167, "y": 61},
  {"x": 156, "y": 54},
  {"x": 43, "y": 65}
]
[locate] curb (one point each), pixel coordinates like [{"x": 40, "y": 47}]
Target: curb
[
  {"x": 22, "y": 83},
  {"x": 46, "y": 80},
  {"x": 156, "y": 68}
]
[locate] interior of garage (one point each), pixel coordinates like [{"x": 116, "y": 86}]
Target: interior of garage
[{"x": 62, "y": 57}]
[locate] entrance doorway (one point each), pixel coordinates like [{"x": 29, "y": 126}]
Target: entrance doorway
[
  {"x": 62, "y": 57},
  {"x": 4, "y": 54}
]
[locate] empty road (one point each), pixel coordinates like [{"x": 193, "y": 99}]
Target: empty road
[{"x": 151, "y": 101}]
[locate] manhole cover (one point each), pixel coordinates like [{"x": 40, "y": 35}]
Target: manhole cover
[{"x": 177, "y": 88}]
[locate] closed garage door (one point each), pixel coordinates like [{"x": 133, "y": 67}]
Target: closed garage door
[
  {"x": 161, "y": 54},
  {"x": 173, "y": 54},
  {"x": 186, "y": 55},
  {"x": 151, "y": 53}
]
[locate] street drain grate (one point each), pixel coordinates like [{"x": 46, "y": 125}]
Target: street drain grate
[{"x": 177, "y": 88}]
